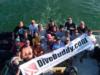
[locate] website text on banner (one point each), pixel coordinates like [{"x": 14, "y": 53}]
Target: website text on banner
[{"x": 49, "y": 60}]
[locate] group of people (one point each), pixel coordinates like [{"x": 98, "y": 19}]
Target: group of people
[{"x": 34, "y": 40}]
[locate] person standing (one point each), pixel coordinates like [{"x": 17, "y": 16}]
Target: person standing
[
  {"x": 70, "y": 25},
  {"x": 33, "y": 27},
  {"x": 19, "y": 30}
]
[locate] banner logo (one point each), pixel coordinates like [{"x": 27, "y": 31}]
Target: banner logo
[{"x": 49, "y": 60}]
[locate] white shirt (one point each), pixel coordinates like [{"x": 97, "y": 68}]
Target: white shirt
[{"x": 92, "y": 37}]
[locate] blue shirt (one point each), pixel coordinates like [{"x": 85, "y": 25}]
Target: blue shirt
[
  {"x": 60, "y": 34},
  {"x": 57, "y": 46},
  {"x": 33, "y": 29}
]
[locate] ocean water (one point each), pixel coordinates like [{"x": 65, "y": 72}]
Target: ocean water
[{"x": 13, "y": 11}]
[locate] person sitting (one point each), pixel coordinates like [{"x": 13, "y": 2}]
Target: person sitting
[
  {"x": 57, "y": 44},
  {"x": 75, "y": 34},
  {"x": 25, "y": 54},
  {"x": 82, "y": 27},
  {"x": 67, "y": 41},
  {"x": 46, "y": 42},
  {"x": 14, "y": 64},
  {"x": 70, "y": 25},
  {"x": 41, "y": 31},
  {"x": 36, "y": 39},
  {"x": 60, "y": 33},
  {"x": 38, "y": 50},
  {"x": 40, "y": 28},
  {"x": 50, "y": 40},
  {"x": 91, "y": 36},
  {"x": 67, "y": 35},
  {"x": 17, "y": 45},
  {"x": 51, "y": 27},
  {"x": 27, "y": 36}
]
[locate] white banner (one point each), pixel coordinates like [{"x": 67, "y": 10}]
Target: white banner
[{"x": 41, "y": 64}]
